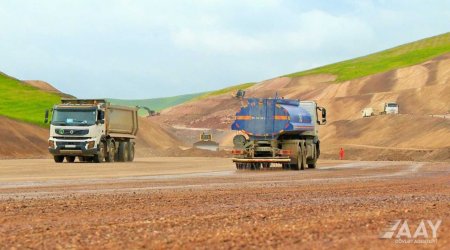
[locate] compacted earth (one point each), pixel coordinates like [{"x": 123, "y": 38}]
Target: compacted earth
[{"x": 205, "y": 203}]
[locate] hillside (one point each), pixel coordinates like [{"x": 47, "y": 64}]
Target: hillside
[
  {"x": 47, "y": 87},
  {"x": 394, "y": 58},
  {"x": 157, "y": 104},
  {"x": 24, "y": 102},
  {"x": 421, "y": 90},
  {"x": 162, "y": 103}
]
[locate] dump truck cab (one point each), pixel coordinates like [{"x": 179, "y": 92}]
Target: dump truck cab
[{"x": 92, "y": 130}]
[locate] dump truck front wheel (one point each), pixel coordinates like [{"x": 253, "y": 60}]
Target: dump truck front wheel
[
  {"x": 58, "y": 158},
  {"x": 111, "y": 151},
  {"x": 70, "y": 158},
  {"x": 100, "y": 156}
]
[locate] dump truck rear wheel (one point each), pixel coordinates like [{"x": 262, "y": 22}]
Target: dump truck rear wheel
[
  {"x": 130, "y": 151},
  {"x": 266, "y": 165},
  {"x": 123, "y": 151},
  {"x": 70, "y": 158},
  {"x": 58, "y": 158}
]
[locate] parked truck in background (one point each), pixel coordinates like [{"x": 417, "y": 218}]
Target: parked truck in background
[
  {"x": 92, "y": 130},
  {"x": 390, "y": 108},
  {"x": 274, "y": 130}
]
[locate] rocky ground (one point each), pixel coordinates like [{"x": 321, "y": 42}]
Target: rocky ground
[{"x": 206, "y": 203}]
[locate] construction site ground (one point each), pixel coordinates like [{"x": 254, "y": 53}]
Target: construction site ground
[{"x": 194, "y": 202}]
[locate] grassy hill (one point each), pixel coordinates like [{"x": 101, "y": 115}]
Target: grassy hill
[
  {"x": 157, "y": 104},
  {"x": 232, "y": 90},
  {"x": 397, "y": 57},
  {"x": 23, "y": 102}
]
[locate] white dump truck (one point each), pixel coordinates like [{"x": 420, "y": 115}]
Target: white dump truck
[{"x": 92, "y": 130}]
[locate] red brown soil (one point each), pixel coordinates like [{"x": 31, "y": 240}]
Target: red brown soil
[
  {"x": 338, "y": 206},
  {"x": 22, "y": 140}
]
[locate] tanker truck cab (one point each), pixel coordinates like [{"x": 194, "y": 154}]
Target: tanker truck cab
[
  {"x": 277, "y": 131},
  {"x": 79, "y": 128}
]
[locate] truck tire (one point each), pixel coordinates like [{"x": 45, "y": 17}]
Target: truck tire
[
  {"x": 312, "y": 165},
  {"x": 58, "y": 158},
  {"x": 266, "y": 165},
  {"x": 130, "y": 151},
  {"x": 123, "y": 151},
  {"x": 301, "y": 158},
  {"x": 100, "y": 156},
  {"x": 70, "y": 159},
  {"x": 111, "y": 151},
  {"x": 255, "y": 166},
  {"x": 303, "y": 153}
]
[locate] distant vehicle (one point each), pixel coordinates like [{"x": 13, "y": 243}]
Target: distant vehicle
[
  {"x": 92, "y": 130},
  {"x": 390, "y": 108},
  {"x": 274, "y": 130},
  {"x": 240, "y": 94},
  {"x": 206, "y": 142},
  {"x": 367, "y": 112},
  {"x": 149, "y": 111}
]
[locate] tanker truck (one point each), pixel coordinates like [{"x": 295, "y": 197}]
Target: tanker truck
[
  {"x": 275, "y": 130},
  {"x": 92, "y": 130}
]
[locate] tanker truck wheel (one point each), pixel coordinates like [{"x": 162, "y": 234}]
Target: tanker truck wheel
[
  {"x": 100, "y": 156},
  {"x": 123, "y": 151},
  {"x": 301, "y": 158},
  {"x": 266, "y": 165},
  {"x": 58, "y": 158}
]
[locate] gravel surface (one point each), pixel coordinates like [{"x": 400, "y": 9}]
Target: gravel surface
[{"x": 205, "y": 203}]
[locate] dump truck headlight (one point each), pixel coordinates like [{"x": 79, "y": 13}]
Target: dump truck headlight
[
  {"x": 91, "y": 144},
  {"x": 51, "y": 143}
]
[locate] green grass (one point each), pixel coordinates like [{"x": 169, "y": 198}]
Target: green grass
[
  {"x": 231, "y": 90},
  {"x": 23, "y": 102},
  {"x": 398, "y": 57},
  {"x": 157, "y": 104}
]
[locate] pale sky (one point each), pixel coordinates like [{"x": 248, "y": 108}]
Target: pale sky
[{"x": 145, "y": 49}]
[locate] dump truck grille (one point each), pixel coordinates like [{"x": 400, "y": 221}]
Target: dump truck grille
[
  {"x": 70, "y": 145},
  {"x": 72, "y": 131}
]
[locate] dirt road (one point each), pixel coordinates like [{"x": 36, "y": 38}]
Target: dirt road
[{"x": 206, "y": 203}]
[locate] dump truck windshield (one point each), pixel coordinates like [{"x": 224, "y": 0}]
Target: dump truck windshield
[
  {"x": 74, "y": 117},
  {"x": 392, "y": 105}
]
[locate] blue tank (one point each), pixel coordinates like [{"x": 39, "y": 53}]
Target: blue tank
[{"x": 267, "y": 118}]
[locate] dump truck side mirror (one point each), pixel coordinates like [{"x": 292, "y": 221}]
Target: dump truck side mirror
[{"x": 46, "y": 116}]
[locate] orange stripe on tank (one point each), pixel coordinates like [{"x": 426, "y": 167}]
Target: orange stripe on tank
[
  {"x": 243, "y": 117},
  {"x": 281, "y": 117}
]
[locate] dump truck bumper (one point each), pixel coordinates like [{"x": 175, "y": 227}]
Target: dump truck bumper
[
  {"x": 73, "y": 148},
  {"x": 73, "y": 152},
  {"x": 262, "y": 159}
]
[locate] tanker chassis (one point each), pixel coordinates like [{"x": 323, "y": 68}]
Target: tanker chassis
[
  {"x": 279, "y": 131},
  {"x": 92, "y": 130}
]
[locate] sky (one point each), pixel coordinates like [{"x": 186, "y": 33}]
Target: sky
[{"x": 152, "y": 48}]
